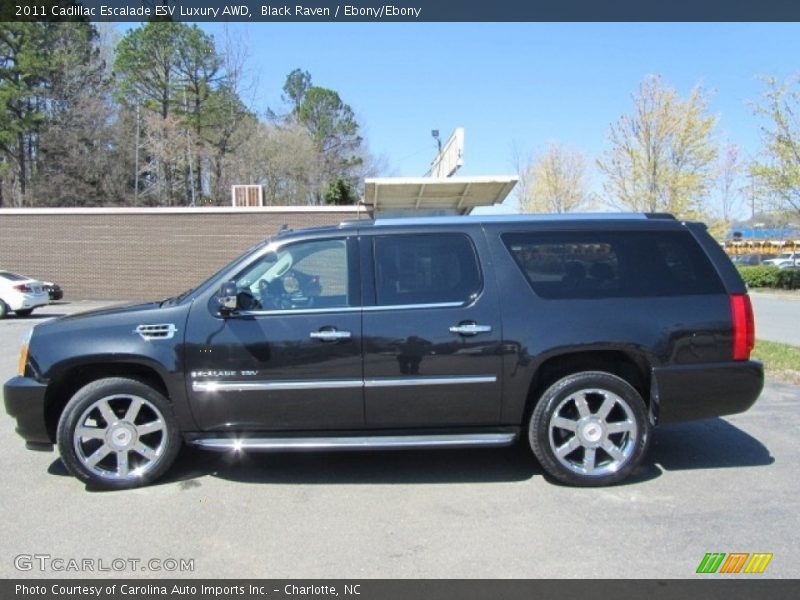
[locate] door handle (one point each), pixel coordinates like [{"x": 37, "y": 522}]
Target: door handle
[
  {"x": 470, "y": 329},
  {"x": 330, "y": 335}
]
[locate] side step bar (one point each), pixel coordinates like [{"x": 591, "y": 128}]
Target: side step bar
[{"x": 373, "y": 442}]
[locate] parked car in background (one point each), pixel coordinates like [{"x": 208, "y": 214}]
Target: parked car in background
[
  {"x": 750, "y": 260},
  {"x": 785, "y": 259},
  {"x": 20, "y": 294},
  {"x": 53, "y": 290}
]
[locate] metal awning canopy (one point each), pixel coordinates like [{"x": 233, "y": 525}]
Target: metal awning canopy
[{"x": 435, "y": 195}]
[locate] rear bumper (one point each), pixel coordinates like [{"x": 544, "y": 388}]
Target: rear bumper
[
  {"x": 26, "y": 301},
  {"x": 24, "y": 400},
  {"x": 689, "y": 392}
]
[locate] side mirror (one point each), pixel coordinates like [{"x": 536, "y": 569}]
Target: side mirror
[{"x": 227, "y": 297}]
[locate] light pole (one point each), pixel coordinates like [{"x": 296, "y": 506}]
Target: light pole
[{"x": 435, "y": 134}]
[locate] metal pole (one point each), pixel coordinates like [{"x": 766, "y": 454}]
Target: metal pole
[
  {"x": 189, "y": 151},
  {"x": 136, "y": 162}
]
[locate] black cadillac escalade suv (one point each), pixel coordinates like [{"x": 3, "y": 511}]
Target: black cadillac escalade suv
[{"x": 578, "y": 333}]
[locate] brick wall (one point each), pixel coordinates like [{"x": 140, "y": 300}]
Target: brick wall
[{"x": 133, "y": 254}]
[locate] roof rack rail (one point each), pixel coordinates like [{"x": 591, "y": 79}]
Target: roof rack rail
[
  {"x": 660, "y": 215},
  {"x": 355, "y": 223}
]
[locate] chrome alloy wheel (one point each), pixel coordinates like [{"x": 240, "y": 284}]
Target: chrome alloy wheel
[
  {"x": 120, "y": 437},
  {"x": 593, "y": 432}
]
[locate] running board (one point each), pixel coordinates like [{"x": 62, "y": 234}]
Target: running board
[{"x": 375, "y": 442}]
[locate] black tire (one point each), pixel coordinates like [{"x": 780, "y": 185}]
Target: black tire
[
  {"x": 132, "y": 447},
  {"x": 3, "y": 310},
  {"x": 24, "y": 312},
  {"x": 579, "y": 445}
]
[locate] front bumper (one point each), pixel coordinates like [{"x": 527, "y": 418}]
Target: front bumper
[
  {"x": 55, "y": 293},
  {"x": 24, "y": 399},
  {"x": 701, "y": 391}
]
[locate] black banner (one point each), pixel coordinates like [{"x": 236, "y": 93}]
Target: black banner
[
  {"x": 386, "y": 589},
  {"x": 402, "y": 10}
]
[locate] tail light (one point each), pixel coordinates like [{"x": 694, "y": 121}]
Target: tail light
[
  {"x": 24, "y": 288},
  {"x": 744, "y": 329}
]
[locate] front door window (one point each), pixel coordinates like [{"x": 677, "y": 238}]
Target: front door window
[{"x": 299, "y": 276}]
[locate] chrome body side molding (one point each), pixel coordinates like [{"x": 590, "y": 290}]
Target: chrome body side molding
[
  {"x": 342, "y": 309},
  {"x": 320, "y": 384},
  {"x": 249, "y": 386},
  {"x": 448, "y": 380},
  {"x": 367, "y": 442}
]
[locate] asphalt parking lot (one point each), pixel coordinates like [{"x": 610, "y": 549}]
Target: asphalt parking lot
[
  {"x": 721, "y": 485},
  {"x": 777, "y": 316}
]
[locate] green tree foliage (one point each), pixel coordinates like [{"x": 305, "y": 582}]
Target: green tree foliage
[
  {"x": 663, "y": 154},
  {"x": 24, "y": 72},
  {"x": 340, "y": 192},
  {"x": 331, "y": 124},
  {"x": 333, "y": 127},
  {"x": 49, "y": 73},
  {"x": 295, "y": 88},
  {"x": 146, "y": 66},
  {"x": 555, "y": 181},
  {"x": 225, "y": 127},
  {"x": 174, "y": 70},
  {"x": 729, "y": 172},
  {"x": 779, "y": 169},
  {"x": 166, "y": 125},
  {"x": 282, "y": 159}
]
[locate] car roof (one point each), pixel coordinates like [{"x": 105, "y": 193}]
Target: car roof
[{"x": 513, "y": 219}]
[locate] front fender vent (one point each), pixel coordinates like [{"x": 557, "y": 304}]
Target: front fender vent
[{"x": 164, "y": 331}]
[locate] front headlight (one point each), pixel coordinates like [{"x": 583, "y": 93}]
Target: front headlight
[{"x": 23, "y": 353}]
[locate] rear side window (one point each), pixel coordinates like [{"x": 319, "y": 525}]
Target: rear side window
[
  {"x": 12, "y": 276},
  {"x": 425, "y": 269},
  {"x": 613, "y": 264}
]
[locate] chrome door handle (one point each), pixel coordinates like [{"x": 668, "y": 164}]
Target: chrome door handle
[
  {"x": 470, "y": 329},
  {"x": 330, "y": 335}
]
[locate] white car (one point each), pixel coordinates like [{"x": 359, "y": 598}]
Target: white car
[
  {"x": 786, "y": 259},
  {"x": 20, "y": 294}
]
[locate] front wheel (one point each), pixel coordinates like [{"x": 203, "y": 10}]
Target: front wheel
[
  {"x": 589, "y": 429},
  {"x": 118, "y": 433}
]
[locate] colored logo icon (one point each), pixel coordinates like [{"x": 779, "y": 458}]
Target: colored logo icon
[{"x": 733, "y": 563}]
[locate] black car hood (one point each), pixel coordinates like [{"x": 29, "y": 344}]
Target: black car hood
[
  {"x": 113, "y": 310},
  {"x": 113, "y": 318}
]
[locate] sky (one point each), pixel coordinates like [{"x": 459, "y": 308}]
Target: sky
[{"x": 513, "y": 85}]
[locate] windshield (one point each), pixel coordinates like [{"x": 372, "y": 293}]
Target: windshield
[{"x": 251, "y": 250}]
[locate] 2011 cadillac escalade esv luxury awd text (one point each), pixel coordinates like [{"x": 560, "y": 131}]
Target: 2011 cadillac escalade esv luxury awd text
[{"x": 579, "y": 334}]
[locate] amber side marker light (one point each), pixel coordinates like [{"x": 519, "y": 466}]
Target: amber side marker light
[{"x": 23, "y": 354}]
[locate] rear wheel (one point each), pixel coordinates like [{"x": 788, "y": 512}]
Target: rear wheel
[
  {"x": 589, "y": 429},
  {"x": 118, "y": 433},
  {"x": 3, "y": 309},
  {"x": 25, "y": 312}
]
